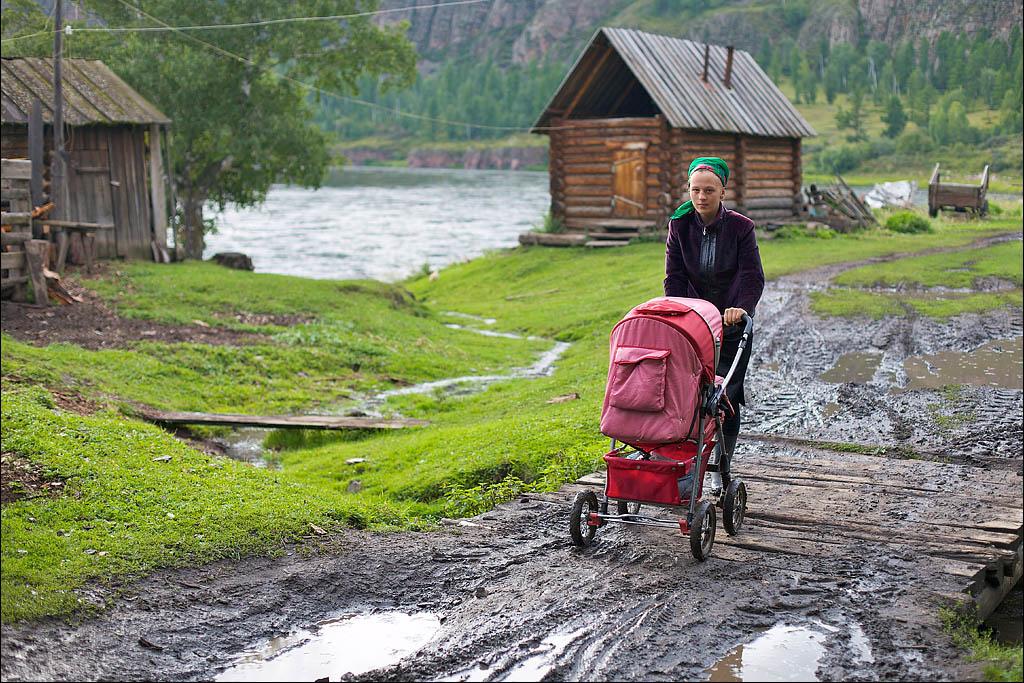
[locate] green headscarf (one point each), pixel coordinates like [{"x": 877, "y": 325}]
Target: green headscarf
[{"x": 713, "y": 164}]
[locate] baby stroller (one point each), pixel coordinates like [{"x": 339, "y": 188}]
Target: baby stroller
[{"x": 666, "y": 405}]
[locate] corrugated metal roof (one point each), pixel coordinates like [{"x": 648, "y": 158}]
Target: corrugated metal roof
[
  {"x": 93, "y": 94},
  {"x": 670, "y": 70}
]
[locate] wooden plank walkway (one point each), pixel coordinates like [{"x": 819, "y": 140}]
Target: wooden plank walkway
[
  {"x": 817, "y": 504},
  {"x": 280, "y": 421}
]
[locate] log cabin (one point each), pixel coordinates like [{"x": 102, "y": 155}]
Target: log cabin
[{"x": 636, "y": 108}]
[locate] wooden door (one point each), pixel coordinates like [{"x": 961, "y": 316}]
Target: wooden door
[{"x": 629, "y": 172}]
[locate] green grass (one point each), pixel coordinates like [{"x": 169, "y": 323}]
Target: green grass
[
  {"x": 123, "y": 512},
  {"x": 955, "y": 269},
  {"x": 952, "y": 269},
  {"x": 358, "y": 336},
  {"x": 1000, "y": 662}
]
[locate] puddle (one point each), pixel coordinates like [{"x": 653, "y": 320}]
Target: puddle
[
  {"x": 782, "y": 653},
  {"x": 1007, "y": 621},
  {"x": 352, "y": 644},
  {"x": 996, "y": 363},
  {"x": 246, "y": 445},
  {"x": 858, "y": 367}
]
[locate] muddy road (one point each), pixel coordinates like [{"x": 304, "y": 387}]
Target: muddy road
[{"x": 838, "y": 574}]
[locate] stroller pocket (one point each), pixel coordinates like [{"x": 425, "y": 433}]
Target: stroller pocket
[{"x": 638, "y": 379}]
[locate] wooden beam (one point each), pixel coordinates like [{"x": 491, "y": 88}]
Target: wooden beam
[
  {"x": 35, "y": 152},
  {"x": 281, "y": 421},
  {"x": 156, "y": 188},
  {"x": 587, "y": 82}
]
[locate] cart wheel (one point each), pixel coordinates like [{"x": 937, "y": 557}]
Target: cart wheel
[
  {"x": 582, "y": 533},
  {"x": 702, "y": 531},
  {"x": 735, "y": 507},
  {"x": 626, "y": 508}
]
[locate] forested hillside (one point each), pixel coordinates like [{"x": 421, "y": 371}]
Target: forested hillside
[{"x": 876, "y": 77}]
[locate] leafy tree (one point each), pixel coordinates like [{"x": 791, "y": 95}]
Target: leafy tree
[
  {"x": 242, "y": 123},
  {"x": 894, "y": 118}
]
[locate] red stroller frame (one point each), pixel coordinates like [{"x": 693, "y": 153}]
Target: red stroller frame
[{"x": 665, "y": 404}]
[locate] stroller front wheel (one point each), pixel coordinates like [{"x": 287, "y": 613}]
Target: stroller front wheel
[
  {"x": 702, "y": 531},
  {"x": 734, "y": 507},
  {"x": 579, "y": 521}
]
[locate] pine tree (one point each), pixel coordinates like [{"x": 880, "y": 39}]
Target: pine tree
[{"x": 895, "y": 119}]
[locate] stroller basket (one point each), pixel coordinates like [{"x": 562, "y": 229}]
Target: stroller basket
[{"x": 661, "y": 482}]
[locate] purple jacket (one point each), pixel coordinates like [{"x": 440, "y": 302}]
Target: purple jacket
[{"x": 738, "y": 279}]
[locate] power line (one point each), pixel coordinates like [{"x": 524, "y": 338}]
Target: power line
[
  {"x": 246, "y": 24},
  {"x": 329, "y": 93}
]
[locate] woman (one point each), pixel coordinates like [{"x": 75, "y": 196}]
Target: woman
[{"x": 711, "y": 253}]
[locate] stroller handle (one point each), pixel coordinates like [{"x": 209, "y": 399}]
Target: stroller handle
[{"x": 748, "y": 328}]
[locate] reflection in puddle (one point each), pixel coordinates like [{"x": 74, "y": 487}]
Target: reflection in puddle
[
  {"x": 996, "y": 363},
  {"x": 858, "y": 367},
  {"x": 351, "y": 644},
  {"x": 782, "y": 653},
  {"x": 1006, "y": 620}
]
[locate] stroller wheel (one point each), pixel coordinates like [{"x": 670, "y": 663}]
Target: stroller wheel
[
  {"x": 579, "y": 528},
  {"x": 625, "y": 508},
  {"x": 702, "y": 531},
  {"x": 734, "y": 507}
]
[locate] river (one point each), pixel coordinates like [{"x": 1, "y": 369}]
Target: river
[{"x": 383, "y": 223}]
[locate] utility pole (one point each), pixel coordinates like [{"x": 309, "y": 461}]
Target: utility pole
[{"x": 58, "y": 175}]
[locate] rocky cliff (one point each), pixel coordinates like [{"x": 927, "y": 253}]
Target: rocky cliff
[{"x": 517, "y": 31}]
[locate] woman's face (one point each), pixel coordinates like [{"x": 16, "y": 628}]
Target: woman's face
[{"x": 706, "y": 191}]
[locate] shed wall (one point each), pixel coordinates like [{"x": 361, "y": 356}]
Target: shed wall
[{"x": 107, "y": 180}]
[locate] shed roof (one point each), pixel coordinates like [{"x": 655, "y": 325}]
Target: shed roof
[
  {"x": 670, "y": 71},
  {"x": 93, "y": 94}
]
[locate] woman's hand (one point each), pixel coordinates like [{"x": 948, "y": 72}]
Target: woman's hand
[{"x": 733, "y": 315}]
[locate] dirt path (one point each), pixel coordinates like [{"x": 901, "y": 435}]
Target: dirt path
[{"x": 851, "y": 552}]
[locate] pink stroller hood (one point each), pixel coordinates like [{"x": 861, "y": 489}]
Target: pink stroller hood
[{"x": 662, "y": 352}]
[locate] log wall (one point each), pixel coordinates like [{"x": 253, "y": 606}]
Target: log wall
[
  {"x": 765, "y": 182},
  {"x": 581, "y": 154}
]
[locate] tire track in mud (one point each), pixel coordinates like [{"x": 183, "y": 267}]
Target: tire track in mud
[
  {"x": 793, "y": 348},
  {"x": 516, "y": 600}
]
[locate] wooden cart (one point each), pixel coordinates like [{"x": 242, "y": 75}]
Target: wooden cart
[{"x": 957, "y": 196}]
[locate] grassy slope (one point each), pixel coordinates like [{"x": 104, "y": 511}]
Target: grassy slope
[
  {"x": 480, "y": 448},
  {"x": 959, "y": 269},
  {"x": 356, "y": 336}
]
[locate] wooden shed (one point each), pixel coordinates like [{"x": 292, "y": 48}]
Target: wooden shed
[
  {"x": 633, "y": 112},
  {"x": 113, "y": 138}
]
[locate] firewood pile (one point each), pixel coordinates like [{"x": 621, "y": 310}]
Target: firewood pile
[
  {"x": 25, "y": 253},
  {"x": 838, "y": 206}
]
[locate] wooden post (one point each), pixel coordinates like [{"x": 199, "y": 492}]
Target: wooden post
[
  {"x": 62, "y": 249},
  {"x": 35, "y": 153},
  {"x": 35, "y": 257},
  {"x": 89, "y": 250},
  {"x": 739, "y": 193},
  {"x": 798, "y": 177},
  {"x": 156, "y": 189},
  {"x": 58, "y": 175}
]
